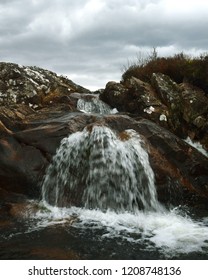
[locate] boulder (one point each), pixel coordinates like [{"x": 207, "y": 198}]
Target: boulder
[
  {"x": 115, "y": 94},
  {"x": 181, "y": 108},
  {"x": 167, "y": 90},
  {"x": 194, "y": 111},
  {"x": 169, "y": 93},
  {"x": 136, "y": 97},
  {"x": 146, "y": 102}
]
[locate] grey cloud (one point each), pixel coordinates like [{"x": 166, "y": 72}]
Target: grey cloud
[{"x": 88, "y": 38}]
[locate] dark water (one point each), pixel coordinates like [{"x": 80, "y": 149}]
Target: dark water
[{"x": 92, "y": 234}]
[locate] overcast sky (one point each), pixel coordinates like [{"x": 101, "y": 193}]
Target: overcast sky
[{"x": 91, "y": 40}]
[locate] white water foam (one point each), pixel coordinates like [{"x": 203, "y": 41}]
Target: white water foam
[
  {"x": 95, "y": 156},
  {"x": 168, "y": 231}
]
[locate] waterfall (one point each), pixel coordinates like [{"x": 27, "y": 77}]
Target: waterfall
[
  {"x": 94, "y": 105},
  {"x": 97, "y": 168}
]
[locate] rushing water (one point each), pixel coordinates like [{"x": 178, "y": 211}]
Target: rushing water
[
  {"x": 99, "y": 200},
  {"x": 100, "y": 170},
  {"x": 112, "y": 179},
  {"x": 97, "y": 234},
  {"x": 171, "y": 233}
]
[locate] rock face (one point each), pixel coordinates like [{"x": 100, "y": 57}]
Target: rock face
[
  {"x": 181, "y": 108},
  {"x": 134, "y": 96},
  {"x": 29, "y": 137},
  {"x": 32, "y": 85}
]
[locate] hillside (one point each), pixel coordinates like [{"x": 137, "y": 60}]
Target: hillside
[
  {"x": 32, "y": 85},
  {"x": 180, "y": 68},
  {"x": 172, "y": 92}
]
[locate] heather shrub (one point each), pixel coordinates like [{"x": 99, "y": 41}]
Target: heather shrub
[{"x": 180, "y": 68}]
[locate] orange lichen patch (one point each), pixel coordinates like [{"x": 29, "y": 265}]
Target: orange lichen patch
[
  {"x": 54, "y": 253},
  {"x": 124, "y": 136}
]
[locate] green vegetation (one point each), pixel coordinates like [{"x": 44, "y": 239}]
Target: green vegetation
[{"x": 180, "y": 68}]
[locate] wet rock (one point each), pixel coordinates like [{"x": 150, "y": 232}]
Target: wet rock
[
  {"x": 20, "y": 166},
  {"x": 24, "y": 155},
  {"x": 4, "y": 130},
  {"x": 195, "y": 103},
  {"x": 180, "y": 170}
]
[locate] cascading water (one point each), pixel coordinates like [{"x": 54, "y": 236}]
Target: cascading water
[
  {"x": 96, "y": 168},
  {"x": 94, "y": 105},
  {"x": 104, "y": 180},
  {"x": 99, "y": 192}
]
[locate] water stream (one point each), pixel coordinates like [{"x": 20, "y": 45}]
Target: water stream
[
  {"x": 104, "y": 182},
  {"x": 99, "y": 199},
  {"x": 94, "y": 105},
  {"x": 96, "y": 168}
]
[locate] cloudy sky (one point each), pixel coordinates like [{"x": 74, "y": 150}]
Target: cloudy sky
[{"x": 91, "y": 40}]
